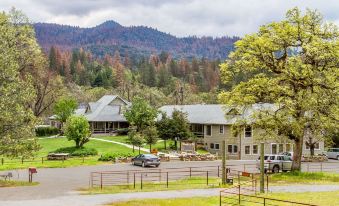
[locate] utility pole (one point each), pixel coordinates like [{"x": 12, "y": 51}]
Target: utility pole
[
  {"x": 223, "y": 148},
  {"x": 262, "y": 169}
]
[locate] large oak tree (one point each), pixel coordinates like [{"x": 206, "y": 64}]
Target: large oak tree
[{"x": 293, "y": 64}]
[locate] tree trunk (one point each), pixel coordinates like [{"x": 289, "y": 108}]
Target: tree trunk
[
  {"x": 312, "y": 147},
  {"x": 165, "y": 144},
  {"x": 133, "y": 148},
  {"x": 176, "y": 144},
  {"x": 77, "y": 143},
  {"x": 139, "y": 149},
  {"x": 297, "y": 154},
  {"x": 150, "y": 148}
]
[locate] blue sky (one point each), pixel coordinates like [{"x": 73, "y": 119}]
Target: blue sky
[{"x": 178, "y": 17}]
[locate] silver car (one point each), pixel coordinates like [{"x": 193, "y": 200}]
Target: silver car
[
  {"x": 146, "y": 160},
  {"x": 333, "y": 153},
  {"x": 275, "y": 163}
]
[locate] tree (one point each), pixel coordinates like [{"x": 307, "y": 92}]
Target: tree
[
  {"x": 294, "y": 65},
  {"x": 135, "y": 138},
  {"x": 165, "y": 129},
  {"x": 77, "y": 129},
  {"x": 140, "y": 114},
  {"x": 17, "y": 120},
  {"x": 64, "y": 108},
  {"x": 150, "y": 134}
]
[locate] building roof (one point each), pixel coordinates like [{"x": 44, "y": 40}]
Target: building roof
[
  {"x": 107, "y": 109},
  {"x": 214, "y": 113}
]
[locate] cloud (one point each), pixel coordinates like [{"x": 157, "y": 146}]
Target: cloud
[{"x": 178, "y": 17}]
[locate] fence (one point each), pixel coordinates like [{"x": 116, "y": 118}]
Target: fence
[
  {"x": 209, "y": 176},
  {"x": 39, "y": 160},
  {"x": 246, "y": 194}
]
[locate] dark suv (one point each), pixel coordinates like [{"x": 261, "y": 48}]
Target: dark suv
[{"x": 146, "y": 160}]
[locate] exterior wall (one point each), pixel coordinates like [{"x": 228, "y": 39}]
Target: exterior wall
[
  {"x": 248, "y": 147},
  {"x": 118, "y": 101}
]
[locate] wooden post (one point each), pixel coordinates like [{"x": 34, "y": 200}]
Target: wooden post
[
  {"x": 239, "y": 194},
  {"x": 190, "y": 172},
  {"x": 134, "y": 180},
  {"x": 262, "y": 169},
  {"x": 223, "y": 166},
  {"x": 207, "y": 177},
  {"x": 141, "y": 181},
  {"x": 101, "y": 181},
  {"x": 167, "y": 179}
]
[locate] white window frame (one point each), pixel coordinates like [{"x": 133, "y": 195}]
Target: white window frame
[
  {"x": 309, "y": 148},
  {"x": 249, "y": 150},
  {"x": 272, "y": 148},
  {"x": 251, "y": 131},
  {"x": 223, "y": 129},
  {"x": 209, "y": 135},
  {"x": 253, "y": 149}
]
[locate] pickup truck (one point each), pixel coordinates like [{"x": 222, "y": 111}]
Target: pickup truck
[{"x": 275, "y": 163}]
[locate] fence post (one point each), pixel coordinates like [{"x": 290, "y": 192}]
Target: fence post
[
  {"x": 238, "y": 177},
  {"x": 267, "y": 183},
  {"x": 321, "y": 166},
  {"x": 264, "y": 201},
  {"x": 218, "y": 171},
  {"x": 22, "y": 160},
  {"x": 167, "y": 179},
  {"x": 160, "y": 175},
  {"x": 220, "y": 199},
  {"x": 190, "y": 172},
  {"x": 127, "y": 178},
  {"x": 255, "y": 187},
  {"x": 207, "y": 177},
  {"x": 101, "y": 181},
  {"x": 134, "y": 180},
  {"x": 141, "y": 180}
]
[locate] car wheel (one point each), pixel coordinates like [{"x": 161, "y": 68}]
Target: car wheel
[
  {"x": 143, "y": 164},
  {"x": 338, "y": 158},
  {"x": 275, "y": 169},
  {"x": 156, "y": 165}
]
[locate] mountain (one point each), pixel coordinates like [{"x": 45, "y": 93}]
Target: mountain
[{"x": 136, "y": 40}]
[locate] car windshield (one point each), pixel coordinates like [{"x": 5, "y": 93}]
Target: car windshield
[{"x": 150, "y": 156}]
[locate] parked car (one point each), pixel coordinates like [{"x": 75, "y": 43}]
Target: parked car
[
  {"x": 275, "y": 163},
  {"x": 145, "y": 160},
  {"x": 333, "y": 153}
]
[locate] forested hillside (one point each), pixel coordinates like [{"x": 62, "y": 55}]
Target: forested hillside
[{"x": 135, "y": 40}]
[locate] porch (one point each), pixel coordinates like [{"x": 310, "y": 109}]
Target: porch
[{"x": 107, "y": 127}]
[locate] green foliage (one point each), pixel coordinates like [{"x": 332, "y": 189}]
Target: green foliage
[
  {"x": 151, "y": 135},
  {"x": 140, "y": 114},
  {"x": 77, "y": 129},
  {"x": 64, "y": 108},
  {"x": 293, "y": 64},
  {"x": 46, "y": 131},
  {"x": 113, "y": 156},
  {"x": 76, "y": 151},
  {"x": 122, "y": 131},
  {"x": 18, "y": 48}
]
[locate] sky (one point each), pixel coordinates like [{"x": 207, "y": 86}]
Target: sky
[{"x": 178, "y": 17}]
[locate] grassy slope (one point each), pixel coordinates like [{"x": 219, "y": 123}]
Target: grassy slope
[
  {"x": 304, "y": 178},
  {"x": 51, "y": 144},
  {"x": 318, "y": 198}
]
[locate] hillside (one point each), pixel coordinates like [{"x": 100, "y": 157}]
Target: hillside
[{"x": 135, "y": 40}]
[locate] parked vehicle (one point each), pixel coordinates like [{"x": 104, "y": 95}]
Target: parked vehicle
[
  {"x": 275, "y": 163},
  {"x": 145, "y": 160},
  {"x": 333, "y": 153}
]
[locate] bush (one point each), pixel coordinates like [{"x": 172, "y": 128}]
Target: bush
[
  {"x": 41, "y": 131},
  {"x": 122, "y": 131},
  {"x": 74, "y": 151},
  {"x": 112, "y": 156}
]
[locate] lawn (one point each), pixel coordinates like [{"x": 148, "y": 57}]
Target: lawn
[
  {"x": 12, "y": 183},
  {"x": 303, "y": 178},
  {"x": 317, "y": 198},
  {"x": 51, "y": 144}
]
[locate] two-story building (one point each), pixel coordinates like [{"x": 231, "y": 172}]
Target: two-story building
[{"x": 210, "y": 123}]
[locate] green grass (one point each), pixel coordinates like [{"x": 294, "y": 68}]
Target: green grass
[
  {"x": 12, "y": 183},
  {"x": 51, "y": 144},
  {"x": 317, "y": 198},
  {"x": 188, "y": 183},
  {"x": 304, "y": 178}
]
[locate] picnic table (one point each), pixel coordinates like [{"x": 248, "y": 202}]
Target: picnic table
[
  {"x": 58, "y": 156},
  {"x": 6, "y": 176}
]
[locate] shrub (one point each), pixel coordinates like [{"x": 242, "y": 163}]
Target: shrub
[
  {"x": 112, "y": 156},
  {"x": 46, "y": 131},
  {"x": 74, "y": 151},
  {"x": 122, "y": 131}
]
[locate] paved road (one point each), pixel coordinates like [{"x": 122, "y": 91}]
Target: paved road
[{"x": 62, "y": 183}]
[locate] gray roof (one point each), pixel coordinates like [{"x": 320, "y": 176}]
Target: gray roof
[
  {"x": 103, "y": 110},
  {"x": 213, "y": 113}
]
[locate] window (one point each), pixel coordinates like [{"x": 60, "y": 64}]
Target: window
[
  {"x": 230, "y": 148},
  {"x": 208, "y": 130},
  {"x": 221, "y": 129},
  {"x": 274, "y": 148},
  {"x": 288, "y": 148},
  {"x": 316, "y": 146},
  {"x": 248, "y": 131},
  {"x": 247, "y": 150},
  {"x": 212, "y": 145},
  {"x": 255, "y": 149},
  {"x": 272, "y": 158},
  {"x": 281, "y": 148},
  {"x": 216, "y": 146}
]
